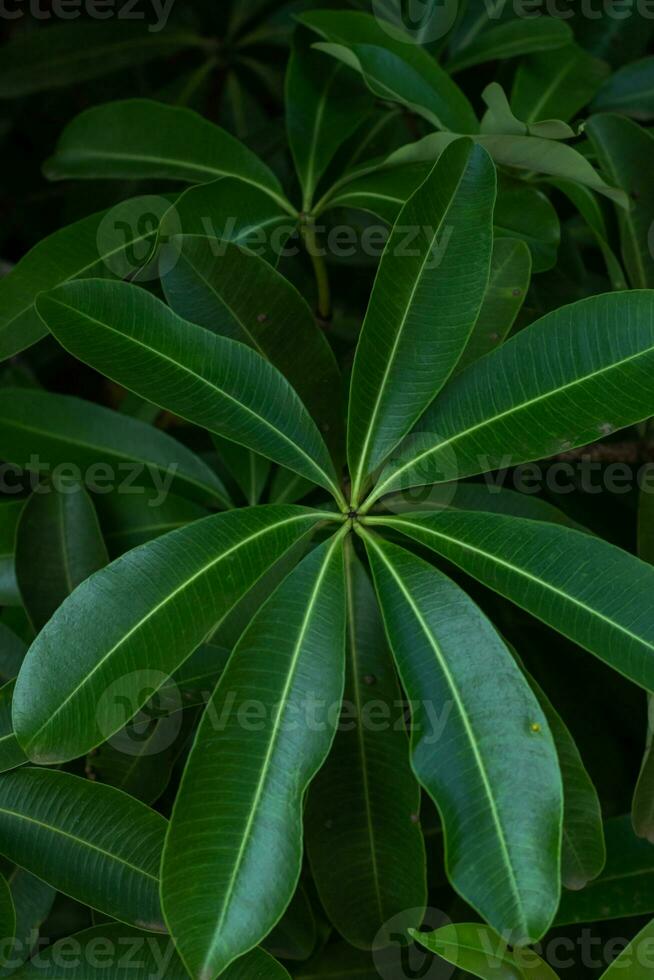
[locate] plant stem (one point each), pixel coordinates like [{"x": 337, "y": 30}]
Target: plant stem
[{"x": 308, "y": 231}]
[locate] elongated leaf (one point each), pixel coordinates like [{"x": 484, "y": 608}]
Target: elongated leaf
[
  {"x": 136, "y": 340},
  {"x": 7, "y": 911},
  {"x": 589, "y": 208},
  {"x": 363, "y": 838},
  {"x": 394, "y": 67},
  {"x": 231, "y": 865},
  {"x": 124, "y": 630},
  {"x": 32, "y": 900},
  {"x": 294, "y": 937},
  {"x": 431, "y": 277},
  {"x": 502, "y": 854},
  {"x": 636, "y": 957},
  {"x": 642, "y": 806},
  {"x": 131, "y": 519},
  {"x": 48, "y": 434},
  {"x": 621, "y": 146},
  {"x": 141, "y": 138},
  {"x": 58, "y": 545},
  {"x": 565, "y": 578},
  {"x": 542, "y": 392},
  {"x": 249, "y": 470},
  {"x": 9, "y": 516},
  {"x": 67, "y": 53},
  {"x": 525, "y": 213},
  {"x": 11, "y": 754},
  {"x": 625, "y": 887},
  {"x": 130, "y": 954},
  {"x": 508, "y": 281},
  {"x": 323, "y": 109},
  {"x": 108, "y": 244},
  {"x": 629, "y": 91},
  {"x": 12, "y": 653},
  {"x": 89, "y": 841},
  {"x": 238, "y": 295},
  {"x": 556, "y": 85},
  {"x": 475, "y": 948},
  {"x": 511, "y": 39}
]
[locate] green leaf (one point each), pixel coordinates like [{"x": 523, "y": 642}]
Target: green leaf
[
  {"x": 124, "y": 630},
  {"x": 642, "y": 806},
  {"x": 537, "y": 395},
  {"x": 589, "y": 208},
  {"x": 562, "y": 576},
  {"x": 401, "y": 363},
  {"x": 556, "y": 85},
  {"x": 128, "y": 520},
  {"x": 294, "y": 936},
  {"x": 7, "y": 911},
  {"x": 32, "y": 900},
  {"x": 109, "y": 244},
  {"x": 621, "y": 146},
  {"x": 59, "y": 436},
  {"x": 511, "y": 39},
  {"x": 220, "y": 384},
  {"x": 626, "y": 885},
  {"x": 9, "y": 516},
  {"x": 238, "y": 295},
  {"x": 144, "y": 139},
  {"x": 396, "y": 69},
  {"x": 636, "y": 957},
  {"x": 508, "y": 282},
  {"x": 629, "y": 91},
  {"x": 475, "y": 948},
  {"x": 58, "y": 545},
  {"x": 363, "y": 837},
  {"x": 323, "y": 110},
  {"x": 11, "y": 754},
  {"x": 12, "y": 653},
  {"x": 234, "y": 851},
  {"x": 249, "y": 470},
  {"x": 52, "y": 57},
  {"x": 525, "y": 213},
  {"x": 91, "y": 842},
  {"x": 130, "y": 954},
  {"x": 502, "y": 856}
]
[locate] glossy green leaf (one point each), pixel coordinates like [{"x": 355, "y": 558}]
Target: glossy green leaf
[
  {"x": 124, "y": 630},
  {"x": 234, "y": 851},
  {"x": 363, "y": 838},
  {"x": 544, "y": 391},
  {"x": 58, "y": 545},
  {"x": 323, "y": 109},
  {"x": 642, "y": 806},
  {"x": 63, "y": 437},
  {"x": 91, "y": 842},
  {"x": 508, "y": 282},
  {"x": 629, "y": 91},
  {"x": 212, "y": 381},
  {"x": 484, "y": 737},
  {"x": 511, "y": 39},
  {"x": 524, "y": 212},
  {"x": 500, "y": 118},
  {"x": 636, "y": 957},
  {"x": 621, "y": 146},
  {"x": 144, "y": 139},
  {"x": 238, "y": 295},
  {"x": 128, "y": 520},
  {"x": 626, "y": 885},
  {"x": 109, "y": 244},
  {"x": 478, "y": 950},
  {"x": 39, "y": 60},
  {"x": 11, "y": 754},
  {"x": 562, "y": 576},
  {"x": 401, "y": 363},
  {"x": 10, "y": 511},
  {"x": 556, "y": 85},
  {"x": 249, "y": 470},
  {"x": 394, "y": 67},
  {"x": 381, "y": 192}
]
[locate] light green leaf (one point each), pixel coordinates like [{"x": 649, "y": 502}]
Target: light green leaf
[
  {"x": 543, "y": 392},
  {"x": 124, "y": 630},
  {"x": 486, "y": 735},
  {"x": 91, "y": 842},
  {"x": 58, "y": 545},
  {"x": 556, "y": 85},
  {"x": 144, "y": 139},
  {"x": 56, "y": 435},
  {"x": 562, "y": 576},
  {"x": 401, "y": 363},
  {"x": 133, "y": 338},
  {"x": 629, "y": 91},
  {"x": 363, "y": 837},
  {"x": 475, "y": 948},
  {"x": 234, "y": 851},
  {"x": 621, "y": 146},
  {"x": 636, "y": 957},
  {"x": 511, "y": 39}
]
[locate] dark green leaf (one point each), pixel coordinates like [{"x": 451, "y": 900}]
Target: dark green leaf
[
  {"x": 9, "y": 516},
  {"x": 556, "y": 85},
  {"x": 515, "y": 37},
  {"x": 629, "y": 91}
]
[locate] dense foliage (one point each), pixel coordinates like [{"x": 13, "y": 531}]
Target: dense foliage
[{"x": 327, "y": 494}]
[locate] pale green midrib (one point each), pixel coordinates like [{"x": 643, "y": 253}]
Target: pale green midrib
[
  {"x": 309, "y": 177},
  {"x": 365, "y": 782},
  {"x": 519, "y": 571},
  {"x": 365, "y": 449},
  {"x": 160, "y": 605},
  {"x": 467, "y": 727},
  {"x": 211, "y": 172},
  {"x": 317, "y": 468},
  {"x": 55, "y": 437},
  {"x": 78, "y": 840},
  {"x": 627, "y": 99},
  {"x": 555, "y": 81},
  {"x": 552, "y": 393},
  {"x": 508, "y": 50},
  {"x": 265, "y": 766},
  {"x": 373, "y": 194}
]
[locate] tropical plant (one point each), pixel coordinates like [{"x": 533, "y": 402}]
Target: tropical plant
[{"x": 265, "y": 646}]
